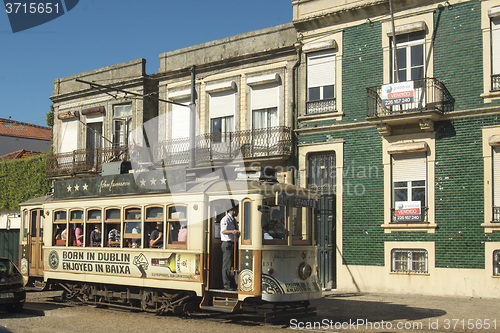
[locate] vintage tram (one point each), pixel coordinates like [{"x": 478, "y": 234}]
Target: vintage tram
[{"x": 275, "y": 256}]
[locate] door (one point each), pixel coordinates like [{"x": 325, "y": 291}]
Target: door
[
  {"x": 327, "y": 241},
  {"x": 94, "y": 143},
  {"x": 9, "y": 244},
  {"x": 218, "y": 209},
  {"x": 35, "y": 242}
]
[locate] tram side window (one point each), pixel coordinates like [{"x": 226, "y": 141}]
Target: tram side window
[
  {"x": 59, "y": 234},
  {"x": 112, "y": 226},
  {"x": 273, "y": 221},
  {"x": 301, "y": 221},
  {"x": 132, "y": 234},
  {"x": 94, "y": 227},
  {"x": 246, "y": 220},
  {"x": 25, "y": 225},
  {"x": 177, "y": 226},
  {"x": 75, "y": 231},
  {"x": 154, "y": 227}
]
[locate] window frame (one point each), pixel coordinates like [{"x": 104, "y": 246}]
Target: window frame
[
  {"x": 408, "y": 47},
  {"x": 409, "y": 261},
  {"x": 496, "y": 262},
  {"x": 409, "y": 187},
  {"x": 129, "y": 237},
  {"x": 123, "y": 120},
  {"x": 488, "y": 94},
  {"x": 271, "y": 202},
  {"x": 309, "y": 224},
  {"x": 60, "y": 222},
  {"x": 166, "y": 226},
  {"x": 107, "y": 222},
  {"x": 246, "y": 221},
  {"x": 404, "y": 25},
  {"x": 406, "y": 144},
  {"x": 491, "y": 139}
]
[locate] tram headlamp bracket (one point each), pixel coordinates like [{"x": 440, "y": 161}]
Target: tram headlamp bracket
[{"x": 305, "y": 271}]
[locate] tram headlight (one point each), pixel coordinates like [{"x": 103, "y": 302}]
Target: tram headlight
[{"x": 305, "y": 271}]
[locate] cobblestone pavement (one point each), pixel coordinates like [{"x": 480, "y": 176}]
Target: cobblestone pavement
[
  {"x": 358, "y": 312},
  {"x": 336, "y": 312}
]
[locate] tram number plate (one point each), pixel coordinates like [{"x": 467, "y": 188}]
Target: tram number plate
[{"x": 6, "y": 295}]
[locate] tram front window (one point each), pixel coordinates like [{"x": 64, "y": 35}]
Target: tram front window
[
  {"x": 274, "y": 227},
  {"x": 301, "y": 221}
]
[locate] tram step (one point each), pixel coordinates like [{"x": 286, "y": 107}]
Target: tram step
[
  {"x": 220, "y": 302},
  {"x": 216, "y": 308}
]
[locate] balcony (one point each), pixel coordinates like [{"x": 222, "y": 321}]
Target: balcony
[
  {"x": 321, "y": 106},
  {"x": 496, "y": 214},
  {"x": 495, "y": 82},
  {"x": 431, "y": 100},
  {"x": 257, "y": 144}
]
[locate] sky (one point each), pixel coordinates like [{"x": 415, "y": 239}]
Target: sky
[{"x": 100, "y": 33}]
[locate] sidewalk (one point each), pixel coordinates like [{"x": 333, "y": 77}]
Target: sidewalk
[{"x": 364, "y": 312}]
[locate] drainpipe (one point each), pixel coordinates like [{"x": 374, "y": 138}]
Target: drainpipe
[
  {"x": 295, "y": 87},
  {"x": 394, "y": 47}
]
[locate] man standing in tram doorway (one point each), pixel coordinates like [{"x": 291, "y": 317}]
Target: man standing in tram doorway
[{"x": 228, "y": 233}]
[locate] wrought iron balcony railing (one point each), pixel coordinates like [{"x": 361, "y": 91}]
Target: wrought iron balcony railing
[
  {"x": 321, "y": 106},
  {"x": 430, "y": 95},
  {"x": 496, "y": 214},
  {"x": 210, "y": 148},
  {"x": 495, "y": 82},
  {"x": 83, "y": 160}
]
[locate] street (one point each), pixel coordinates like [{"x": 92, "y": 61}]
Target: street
[{"x": 337, "y": 312}]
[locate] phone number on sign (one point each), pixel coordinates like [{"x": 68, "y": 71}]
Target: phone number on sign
[{"x": 31, "y": 8}]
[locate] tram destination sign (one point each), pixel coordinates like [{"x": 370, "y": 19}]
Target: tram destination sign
[{"x": 158, "y": 181}]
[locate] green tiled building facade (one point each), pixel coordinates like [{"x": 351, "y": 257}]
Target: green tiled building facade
[{"x": 444, "y": 142}]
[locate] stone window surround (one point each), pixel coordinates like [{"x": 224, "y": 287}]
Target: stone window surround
[
  {"x": 489, "y": 132},
  {"x": 487, "y": 95},
  {"x": 428, "y": 246}
]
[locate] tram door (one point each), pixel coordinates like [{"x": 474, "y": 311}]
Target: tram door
[
  {"x": 35, "y": 242},
  {"x": 218, "y": 210},
  {"x": 326, "y": 241}
]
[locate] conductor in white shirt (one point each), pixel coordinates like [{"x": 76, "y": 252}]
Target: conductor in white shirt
[{"x": 228, "y": 233}]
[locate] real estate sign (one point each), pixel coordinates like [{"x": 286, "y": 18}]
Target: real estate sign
[
  {"x": 408, "y": 211},
  {"x": 397, "y": 93}
]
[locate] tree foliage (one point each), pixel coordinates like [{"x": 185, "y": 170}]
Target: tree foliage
[{"x": 21, "y": 180}]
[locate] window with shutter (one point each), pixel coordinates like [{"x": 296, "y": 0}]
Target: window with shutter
[
  {"x": 495, "y": 53},
  {"x": 496, "y": 184},
  {"x": 222, "y": 106},
  {"x": 409, "y": 179},
  {"x": 68, "y": 136},
  {"x": 180, "y": 121},
  {"x": 321, "y": 82}
]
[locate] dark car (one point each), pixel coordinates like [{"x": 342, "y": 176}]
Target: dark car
[{"x": 12, "y": 292}]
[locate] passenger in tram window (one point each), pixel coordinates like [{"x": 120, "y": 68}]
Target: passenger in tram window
[
  {"x": 182, "y": 235},
  {"x": 64, "y": 234},
  {"x": 114, "y": 236},
  {"x": 95, "y": 236},
  {"x": 156, "y": 237},
  {"x": 136, "y": 242},
  {"x": 79, "y": 235},
  {"x": 57, "y": 237}
]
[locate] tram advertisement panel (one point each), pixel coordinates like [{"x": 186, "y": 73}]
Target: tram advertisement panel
[{"x": 158, "y": 265}]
